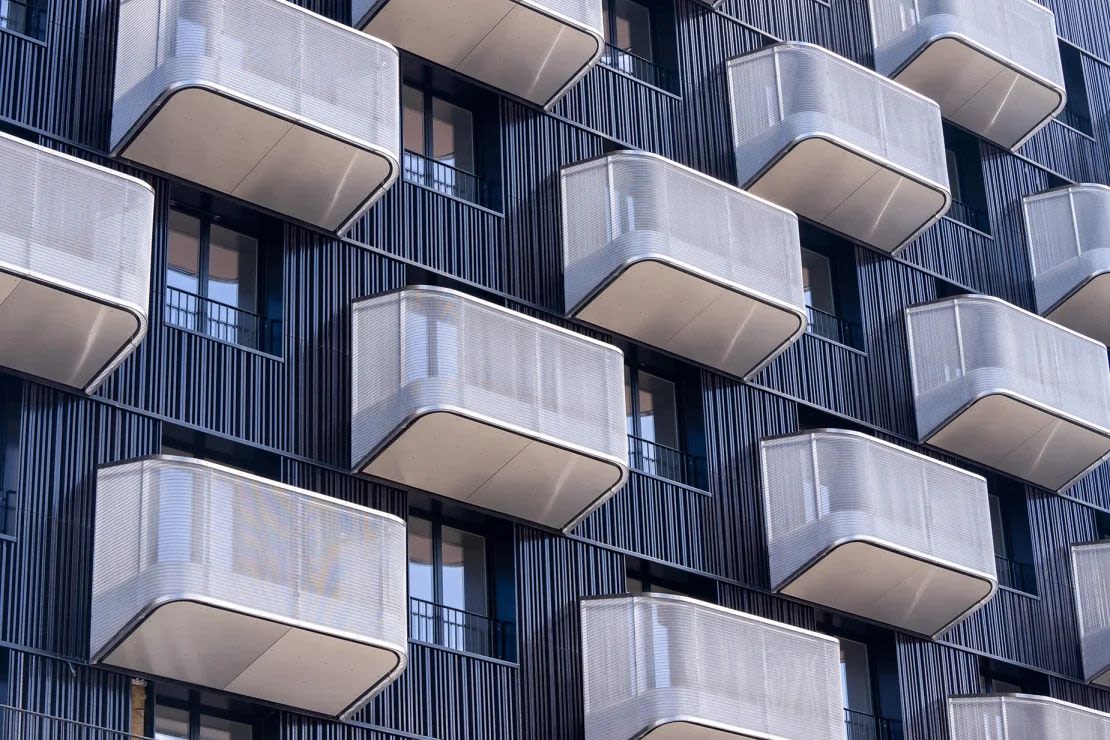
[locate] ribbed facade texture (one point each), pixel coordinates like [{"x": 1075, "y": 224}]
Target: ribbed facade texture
[{"x": 554, "y": 369}]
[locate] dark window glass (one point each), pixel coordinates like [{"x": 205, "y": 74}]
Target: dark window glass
[
  {"x": 1013, "y": 547},
  {"x": 830, "y": 287},
  {"x": 181, "y": 714},
  {"x": 440, "y": 145},
  {"x": 629, "y": 28},
  {"x": 855, "y": 676},
  {"x": 965, "y": 179},
  {"x": 11, "y": 403},
  {"x": 27, "y": 17},
  {"x": 817, "y": 282},
  {"x": 1077, "y": 109},
  {"x": 657, "y": 435},
  {"x": 644, "y": 577},
  {"x": 1102, "y": 526},
  {"x": 635, "y": 42}
]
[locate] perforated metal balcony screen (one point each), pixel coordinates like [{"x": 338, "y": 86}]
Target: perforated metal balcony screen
[
  {"x": 169, "y": 528},
  {"x": 270, "y": 53},
  {"x": 68, "y": 222},
  {"x": 1068, "y": 231},
  {"x": 823, "y": 488},
  {"x": 1091, "y": 573},
  {"x": 1020, "y": 31},
  {"x": 425, "y": 348},
  {"x": 631, "y": 206},
  {"x": 647, "y": 660},
  {"x": 586, "y": 13},
  {"x": 790, "y": 92},
  {"x": 1023, "y": 717},
  {"x": 968, "y": 346}
]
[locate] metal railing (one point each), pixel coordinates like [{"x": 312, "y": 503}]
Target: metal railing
[
  {"x": 187, "y": 310},
  {"x": 24, "y": 724},
  {"x": 1015, "y": 575},
  {"x": 665, "y": 462},
  {"x": 459, "y": 629},
  {"x": 831, "y": 326},
  {"x": 27, "y": 18},
  {"x": 863, "y": 726},
  {"x": 444, "y": 178},
  {"x": 1078, "y": 121},
  {"x": 970, "y": 216},
  {"x": 642, "y": 69}
]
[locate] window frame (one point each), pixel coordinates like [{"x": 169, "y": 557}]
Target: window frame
[
  {"x": 1009, "y": 502},
  {"x": 428, "y": 97},
  {"x": 11, "y": 409},
  {"x": 963, "y": 160},
  {"x": 660, "y": 70},
  {"x": 1078, "y": 103},
  {"x": 36, "y": 30},
  {"x": 847, "y": 321},
  {"x": 196, "y": 708}
]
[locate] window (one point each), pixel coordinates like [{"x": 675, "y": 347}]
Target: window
[
  {"x": 11, "y": 403},
  {"x": 830, "y": 287},
  {"x": 869, "y": 683},
  {"x": 26, "y": 17},
  {"x": 182, "y": 714},
  {"x": 1102, "y": 526},
  {"x": 185, "y": 442},
  {"x": 645, "y": 577},
  {"x": 965, "y": 179},
  {"x": 1004, "y": 678},
  {"x": 1013, "y": 550},
  {"x": 636, "y": 42},
  {"x": 1077, "y": 110}
]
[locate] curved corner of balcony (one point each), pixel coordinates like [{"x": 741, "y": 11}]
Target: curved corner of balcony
[
  {"x": 312, "y": 136},
  {"x": 675, "y": 259},
  {"x": 521, "y": 417},
  {"x": 211, "y": 576},
  {"x": 74, "y": 264},
  {"x": 1090, "y": 565},
  {"x": 1021, "y": 716},
  {"x": 874, "y": 172},
  {"x": 532, "y": 49},
  {"x": 921, "y": 561}
]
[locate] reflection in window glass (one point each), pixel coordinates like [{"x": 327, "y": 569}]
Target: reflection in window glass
[
  {"x": 412, "y": 119},
  {"x": 421, "y": 560},
  {"x": 954, "y": 181},
  {"x": 629, "y": 28},
  {"x": 452, "y": 135},
  {"x": 817, "y": 282},
  {"x": 170, "y": 723},
  {"x": 855, "y": 676},
  {"x": 217, "y": 728},
  {"x": 464, "y": 570},
  {"x": 658, "y": 410},
  {"x": 998, "y": 528}
]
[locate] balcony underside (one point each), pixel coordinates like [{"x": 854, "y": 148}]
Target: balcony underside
[
  {"x": 489, "y": 466},
  {"x": 860, "y": 196},
  {"x": 509, "y": 45},
  {"x": 1103, "y": 679},
  {"x": 216, "y": 646},
  {"x": 1086, "y": 309},
  {"x": 1022, "y": 440},
  {"x": 236, "y": 147},
  {"x": 658, "y": 302},
  {"x": 694, "y": 730},
  {"x": 981, "y": 92},
  {"x": 890, "y": 586}
]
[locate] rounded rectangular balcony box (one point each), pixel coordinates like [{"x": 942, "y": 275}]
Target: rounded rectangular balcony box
[
  {"x": 993, "y": 66},
  {"x": 837, "y": 143},
  {"x": 261, "y": 100},
  {"x": 1008, "y": 389},
  {"x": 218, "y": 578},
  {"x": 1068, "y": 231},
  {"x": 1090, "y": 566},
  {"x": 532, "y": 49},
  {"x": 471, "y": 401},
  {"x": 1023, "y": 717},
  {"x": 75, "y": 250},
  {"x": 666, "y": 667},
  {"x": 872, "y": 529},
  {"x": 675, "y": 259}
]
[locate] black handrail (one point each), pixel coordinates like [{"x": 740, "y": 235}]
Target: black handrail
[
  {"x": 971, "y": 216},
  {"x": 24, "y": 724},
  {"x": 642, "y": 69},
  {"x": 461, "y": 630},
  {"x": 1076, "y": 120},
  {"x": 219, "y": 320},
  {"x": 1016, "y": 575},
  {"x": 831, "y": 326},
  {"x": 864, "y": 726},
  {"x": 443, "y": 178},
  {"x": 660, "y": 460}
]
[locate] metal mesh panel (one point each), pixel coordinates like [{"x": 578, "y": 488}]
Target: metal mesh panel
[
  {"x": 1069, "y": 239},
  {"x": 1023, "y": 717},
  {"x": 168, "y": 528},
  {"x": 793, "y": 91},
  {"x": 826, "y": 487},
  {"x": 424, "y": 349},
  {"x": 587, "y": 13},
  {"x": 271, "y": 53},
  {"x": 1019, "y": 31},
  {"x": 652, "y": 659},
  {"x": 966, "y": 347},
  {"x": 632, "y": 206},
  {"x": 1090, "y": 566}
]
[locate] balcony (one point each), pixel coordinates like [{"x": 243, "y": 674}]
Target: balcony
[
  {"x": 1007, "y": 389},
  {"x": 872, "y": 529},
  {"x": 519, "y": 416},
  {"x": 218, "y": 578},
  {"x": 864, "y": 726},
  {"x": 1023, "y": 717},
  {"x": 459, "y": 629},
  {"x": 1090, "y": 565},
  {"x": 220, "y": 321},
  {"x": 838, "y": 144},
  {"x": 533, "y": 49},
  {"x": 992, "y": 65},
  {"x": 657, "y": 666},
  {"x": 677, "y": 260},
  {"x": 639, "y": 68},
  {"x": 661, "y": 461},
  {"x": 261, "y": 100},
  {"x": 75, "y": 247},
  {"x": 1068, "y": 232}
]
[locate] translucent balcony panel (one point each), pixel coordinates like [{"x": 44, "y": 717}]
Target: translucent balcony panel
[
  {"x": 218, "y": 578},
  {"x": 837, "y": 143},
  {"x": 1068, "y": 230},
  {"x": 675, "y": 259},
  {"x": 992, "y": 65},
  {"x": 75, "y": 249},
  {"x": 668, "y": 667},
  {"x": 1090, "y": 565},
  {"x": 1023, "y": 717},
  {"x": 259, "y": 99},
  {"x": 1009, "y": 389},
  {"x": 533, "y": 49},
  {"x": 872, "y": 529},
  {"x": 475, "y": 402}
]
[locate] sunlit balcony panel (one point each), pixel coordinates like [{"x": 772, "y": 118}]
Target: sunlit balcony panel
[
  {"x": 668, "y": 667},
  {"x": 837, "y": 143},
  {"x": 218, "y": 578},
  {"x": 677, "y": 260},
  {"x": 533, "y": 49},
  {"x": 993, "y": 66},
  {"x": 873, "y": 529},
  {"x": 1023, "y": 717},
  {"x": 75, "y": 251},
  {"x": 475, "y": 402},
  {"x": 1008, "y": 389},
  {"x": 261, "y": 100},
  {"x": 1090, "y": 565},
  {"x": 1068, "y": 231}
]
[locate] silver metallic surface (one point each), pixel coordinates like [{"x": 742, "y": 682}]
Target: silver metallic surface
[
  {"x": 1090, "y": 567},
  {"x": 1023, "y": 717}
]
